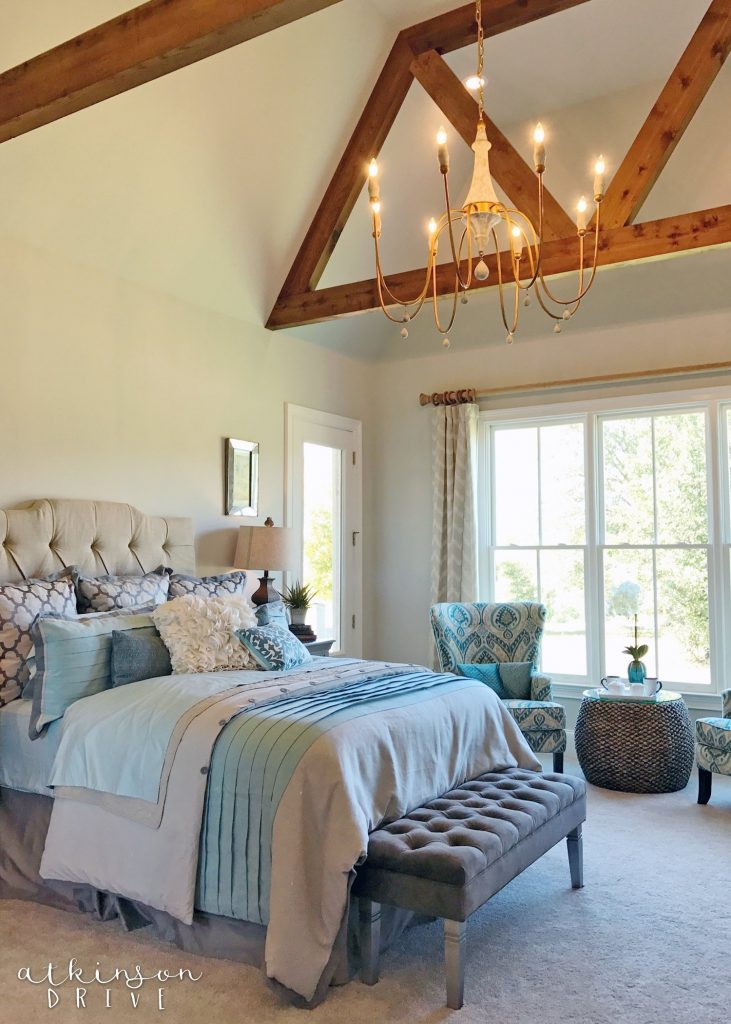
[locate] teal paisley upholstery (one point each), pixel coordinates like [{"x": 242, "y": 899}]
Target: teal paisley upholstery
[
  {"x": 484, "y": 634},
  {"x": 713, "y": 740}
]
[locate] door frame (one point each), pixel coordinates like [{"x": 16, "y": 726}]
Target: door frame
[{"x": 351, "y": 624}]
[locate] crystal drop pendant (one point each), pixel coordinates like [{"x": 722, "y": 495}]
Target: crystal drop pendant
[
  {"x": 404, "y": 332},
  {"x": 482, "y": 271}
]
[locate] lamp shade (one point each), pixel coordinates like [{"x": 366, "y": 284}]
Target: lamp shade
[{"x": 266, "y": 548}]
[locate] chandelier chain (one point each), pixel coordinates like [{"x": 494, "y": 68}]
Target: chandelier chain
[{"x": 480, "y": 58}]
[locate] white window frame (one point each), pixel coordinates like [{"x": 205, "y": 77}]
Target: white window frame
[{"x": 715, "y": 401}]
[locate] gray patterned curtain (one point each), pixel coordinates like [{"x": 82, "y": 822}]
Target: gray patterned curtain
[{"x": 454, "y": 473}]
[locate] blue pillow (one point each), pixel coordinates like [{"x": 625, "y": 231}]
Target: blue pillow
[
  {"x": 510, "y": 679},
  {"x": 488, "y": 674},
  {"x": 74, "y": 660},
  {"x": 274, "y": 648},
  {"x": 138, "y": 654},
  {"x": 273, "y": 613}
]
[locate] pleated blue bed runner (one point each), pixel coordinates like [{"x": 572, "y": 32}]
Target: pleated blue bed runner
[{"x": 253, "y": 761}]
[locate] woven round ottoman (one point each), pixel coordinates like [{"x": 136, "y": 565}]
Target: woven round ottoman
[{"x": 635, "y": 747}]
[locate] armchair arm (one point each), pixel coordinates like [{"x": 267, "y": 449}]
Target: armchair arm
[
  {"x": 726, "y": 697},
  {"x": 540, "y": 687}
]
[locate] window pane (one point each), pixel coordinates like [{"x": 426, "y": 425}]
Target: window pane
[
  {"x": 516, "y": 486},
  {"x": 682, "y": 611},
  {"x": 627, "y": 472},
  {"x": 680, "y": 468},
  {"x": 562, "y": 484},
  {"x": 321, "y": 537},
  {"x": 562, "y": 592},
  {"x": 516, "y": 576},
  {"x": 628, "y": 591}
]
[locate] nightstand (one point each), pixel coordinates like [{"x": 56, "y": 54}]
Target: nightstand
[{"x": 320, "y": 648}]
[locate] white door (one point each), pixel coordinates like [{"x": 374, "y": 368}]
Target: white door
[{"x": 324, "y": 505}]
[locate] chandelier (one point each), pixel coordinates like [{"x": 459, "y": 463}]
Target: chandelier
[{"x": 484, "y": 225}]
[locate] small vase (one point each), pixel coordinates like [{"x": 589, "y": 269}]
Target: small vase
[
  {"x": 297, "y": 616},
  {"x": 636, "y": 672}
]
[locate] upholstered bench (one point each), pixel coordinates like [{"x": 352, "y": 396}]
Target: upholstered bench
[{"x": 450, "y": 856}]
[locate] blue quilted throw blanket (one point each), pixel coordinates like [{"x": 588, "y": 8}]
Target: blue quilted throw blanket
[{"x": 253, "y": 762}]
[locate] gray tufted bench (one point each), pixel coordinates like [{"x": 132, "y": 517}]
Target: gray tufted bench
[{"x": 450, "y": 856}]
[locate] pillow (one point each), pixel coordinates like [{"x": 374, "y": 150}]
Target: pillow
[
  {"x": 105, "y": 593},
  {"x": 73, "y": 660},
  {"x": 509, "y": 679},
  {"x": 20, "y": 605},
  {"x": 138, "y": 654},
  {"x": 207, "y": 586},
  {"x": 274, "y": 648},
  {"x": 273, "y": 613},
  {"x": 200, "y": 633},
  {"x": 487, "y": 674}
]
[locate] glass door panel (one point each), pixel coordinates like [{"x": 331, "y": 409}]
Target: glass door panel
[{"x": 321, "y": 537}]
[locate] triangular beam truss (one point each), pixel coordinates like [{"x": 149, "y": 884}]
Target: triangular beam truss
[{"x": 417, "y": 54}]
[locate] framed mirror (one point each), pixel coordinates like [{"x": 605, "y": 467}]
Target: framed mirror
[{"x": 242, "y": 477}]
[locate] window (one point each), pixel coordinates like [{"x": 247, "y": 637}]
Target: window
[{"x": 612, "y": 514}]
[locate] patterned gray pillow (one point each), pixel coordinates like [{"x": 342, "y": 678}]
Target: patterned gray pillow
[
  {"x": 20, "y": 605},
  {"x": 207, "y": 586},
  {"x": 105, "y": 593}
]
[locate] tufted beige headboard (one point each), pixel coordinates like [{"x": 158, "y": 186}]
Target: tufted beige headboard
[{"x": 98, "y": 536}]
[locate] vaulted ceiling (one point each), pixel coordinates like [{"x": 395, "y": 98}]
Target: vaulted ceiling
[{"x": 202, "y": 184}]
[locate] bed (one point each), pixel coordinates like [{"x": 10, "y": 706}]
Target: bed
[{"x": 230, "y": 811}]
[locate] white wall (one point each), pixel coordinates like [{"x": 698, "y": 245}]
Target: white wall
[
  {"x": 401, "y": 522},
  {"x": 111, "y": 391}
]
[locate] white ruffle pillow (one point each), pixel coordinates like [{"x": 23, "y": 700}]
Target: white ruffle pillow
[{"x": 200, "y": 632}]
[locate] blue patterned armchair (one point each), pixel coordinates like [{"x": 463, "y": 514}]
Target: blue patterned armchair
[
  {"x": 713, "y": 748},
  {"x": 485, "y": 634}
]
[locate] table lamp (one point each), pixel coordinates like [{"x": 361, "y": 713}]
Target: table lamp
[{"x": 266, "y": 547}]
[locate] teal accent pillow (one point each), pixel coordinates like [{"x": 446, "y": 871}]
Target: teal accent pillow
[
  {"x": 74, "y": 660},
  {"x": 274, "y": 648},
  {"x": 509, "y": 679},
  {"x": 138, "y": 654},
  {"x": 488, "y": 674},
  {"x": 273, "y": 613}
]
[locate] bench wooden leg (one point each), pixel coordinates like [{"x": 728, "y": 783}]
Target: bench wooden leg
[
  {"x": 455, "y": 934},
  {"x": 705, "y": 781},
  {"x": 370, "y": 939},
  {"x": 575, "y": 844}
]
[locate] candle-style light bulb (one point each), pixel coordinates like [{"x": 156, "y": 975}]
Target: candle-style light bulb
[
  {"x": 432, "y": 227},
  {"x": 373, "y": 180},
  {"x": 600, "y": 168},
  {"x": 376, "y": 206},
  {"x": 475, "y": 82},
  {"x": 442, "y": 151},
  {"x": 516, "y": 241},
  {"x": 581, "y": 209},
  {"x": 539, "y": 149}
]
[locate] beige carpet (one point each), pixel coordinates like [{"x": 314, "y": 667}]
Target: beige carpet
[{"x": 646, "y": 942}]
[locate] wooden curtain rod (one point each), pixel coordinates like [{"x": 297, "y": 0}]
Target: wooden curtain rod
[{"x": 463, "y": 395}]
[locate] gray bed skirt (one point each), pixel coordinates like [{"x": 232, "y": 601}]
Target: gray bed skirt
[{"x": 24, "y": 819}]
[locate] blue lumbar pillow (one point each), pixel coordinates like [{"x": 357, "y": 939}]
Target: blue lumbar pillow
[
  {"x": 510, "y": 679},
  {"x": 489, "y": 674},
  {"x": 274, "y": 648}
]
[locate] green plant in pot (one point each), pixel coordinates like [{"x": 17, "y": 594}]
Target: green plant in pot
[
  {"x": 636, "y": 670},
  {"x": 298, "y": 599}
]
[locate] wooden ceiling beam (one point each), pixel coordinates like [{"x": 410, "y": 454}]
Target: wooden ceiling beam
[
  {"x": 350, "y": 175},
  {"x": 670, "y": 116},
  {"x": 455, "y": 29},
  {"x": 508, "y": 167},
  {"x": 445, "y": 32},
  {"x": 628, "y": 244},
  {"x": 136, "y": 47}
]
